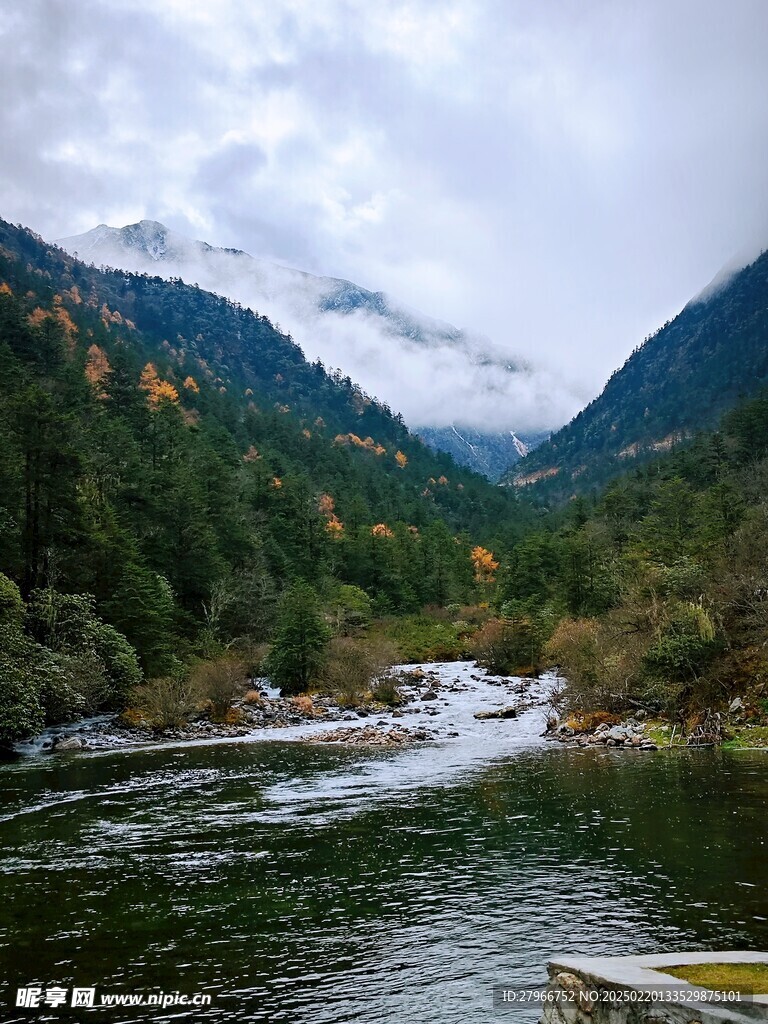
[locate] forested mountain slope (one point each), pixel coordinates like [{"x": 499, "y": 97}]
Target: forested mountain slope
[
  {"x": 712, "y": 354},
  {"x": 174, "y": 455},
  {"x": 655, "y": 596},
  {"x": 443, "y": 378}
]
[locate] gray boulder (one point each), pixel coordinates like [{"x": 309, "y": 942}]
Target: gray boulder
[
  {"x": 68, "y": 743},
  {"x": 508, "y": 712}
]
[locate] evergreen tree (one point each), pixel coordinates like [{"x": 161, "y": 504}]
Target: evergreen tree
[
  {"x": 299, "y": 642},
  {"x": 142, "y": 608}
]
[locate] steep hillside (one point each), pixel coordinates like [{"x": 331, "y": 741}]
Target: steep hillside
[
  {"x": 438, "y": 376},
  {"x": 678, "y": 382},
  {"x": 489, "y": 454},
  {"x": 175, "y": 455},
  {"x": 654, "y": 596}
]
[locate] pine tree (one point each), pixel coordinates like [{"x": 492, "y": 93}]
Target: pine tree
[{"x": 299, "y": 642}]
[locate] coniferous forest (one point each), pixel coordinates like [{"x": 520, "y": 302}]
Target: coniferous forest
[
  {"x": 181, "y": 488},
  {"x": 384, "y": 512},
  {"x": 172, "y": 465}
]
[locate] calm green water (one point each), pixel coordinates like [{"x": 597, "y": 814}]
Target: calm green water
[{"x": 321, "y": 884}]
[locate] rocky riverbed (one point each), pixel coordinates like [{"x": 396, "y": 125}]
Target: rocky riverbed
[
  {"x": 630, "y": 735},
  {"x": 440, "y": 701},
  {"x": 379, "y": 735}
]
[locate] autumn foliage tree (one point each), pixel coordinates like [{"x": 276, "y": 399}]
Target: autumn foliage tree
[
  {"x": 156, "y": 390},
  {"x": 97, "y": 370},
  {"x": 326, "y": 506},
  {"x": 484, "y": 564}
]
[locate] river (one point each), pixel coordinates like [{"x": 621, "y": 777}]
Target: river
[{"x": 314, "y": 883}]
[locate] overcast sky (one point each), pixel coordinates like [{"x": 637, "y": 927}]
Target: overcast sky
[{"x": 561, "y": 176}]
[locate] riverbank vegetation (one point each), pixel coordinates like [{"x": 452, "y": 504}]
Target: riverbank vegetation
[
  {"x": 174, "y": 473},
  {"x": 654, "y": 595},
  {"x": 188, "y": 504}
]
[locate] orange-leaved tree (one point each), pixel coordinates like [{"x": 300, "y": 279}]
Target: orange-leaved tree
[
  {"x": 484, "y": 564},
  {"x": 157, "y": 390}
]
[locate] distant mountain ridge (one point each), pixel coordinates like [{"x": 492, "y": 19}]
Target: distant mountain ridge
[
  {"x": 371, "y": 336},
  {"x": 489, "y": 454},
  {"x": 680, "y": 381}
]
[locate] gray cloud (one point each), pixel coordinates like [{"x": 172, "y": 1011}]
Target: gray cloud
[{"x": 559, "y": 176}]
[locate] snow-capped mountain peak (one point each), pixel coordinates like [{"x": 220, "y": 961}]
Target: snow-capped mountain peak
[{"x": 435, "y": 374}]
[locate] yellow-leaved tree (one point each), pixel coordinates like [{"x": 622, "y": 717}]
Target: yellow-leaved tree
[
  {"x": 97, "y": 369},
  {"x": 484, "y": 564},
  {"x": 157, "y": 390},
  {"x": 381, "y": 530}
]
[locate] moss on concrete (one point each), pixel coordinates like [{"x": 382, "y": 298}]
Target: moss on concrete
[{"x": 751, "y": 978}]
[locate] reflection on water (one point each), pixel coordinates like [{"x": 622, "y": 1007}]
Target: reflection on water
[{"x": 326, "y": 884}]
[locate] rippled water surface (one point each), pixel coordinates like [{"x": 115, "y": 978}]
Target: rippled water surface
[{"x": 328, "y": 884}]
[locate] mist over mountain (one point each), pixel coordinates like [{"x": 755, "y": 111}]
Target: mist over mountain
[{"x": 438, "y": 376}]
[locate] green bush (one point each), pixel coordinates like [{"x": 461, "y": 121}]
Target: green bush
[
  {"x": 39, "y": 687},
  {"x": 348, "y": 609},
  {"x": 685, "y": 646},
  {"x": 21, "y": 708},
  {"x": 63, "y": 683},
  {"x": 118, "y": 659},
  {"x": 68, "y": 624},
  {"x": 420, "y": 638},
  {"x": 11, "y": 604}
]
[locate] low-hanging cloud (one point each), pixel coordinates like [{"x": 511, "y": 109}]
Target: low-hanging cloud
[
  {"x": 437, "y": 386},
  {"x": 431, "y": 372},
  {"x": 558, "y": 177}
]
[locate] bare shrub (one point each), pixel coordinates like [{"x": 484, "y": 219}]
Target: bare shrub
[
  {"x": 474, "y": 614},
  {"x": 600, "y": 661},
  {"x": 386, "y": 691},
  {"x": 165, "y": 703},
  {"x": 508, "y": 645},
  {"x": 305, "y": 704},
  {"x": 352, "y": 667},
  {"x": 219, "y": 682},
  {"x": 253, "y": 657},
  {"x": 588, "y": 721}
]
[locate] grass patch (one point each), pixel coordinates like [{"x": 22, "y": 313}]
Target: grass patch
[
  {"x": 421, "y": 638},
  {"x": 659, "y": 732},
  {"x": 748, "y": 738},
  {"x": 723, "y": 977}
]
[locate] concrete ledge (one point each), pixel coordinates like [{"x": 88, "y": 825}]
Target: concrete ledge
[{"x": 575, "y": 981}]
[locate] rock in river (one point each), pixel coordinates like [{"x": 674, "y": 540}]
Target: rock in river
[
  {"x": 68, "y": 743},
  {"x": 507, "y": 712}
]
